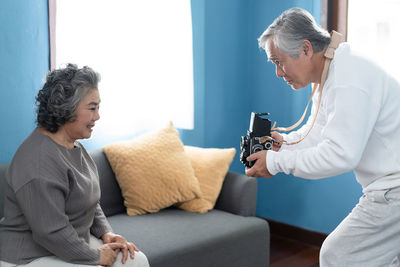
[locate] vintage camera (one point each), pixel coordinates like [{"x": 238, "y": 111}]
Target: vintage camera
[{"x": 258, "y": 137}]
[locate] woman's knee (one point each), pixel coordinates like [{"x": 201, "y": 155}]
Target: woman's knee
[{"x": 140, "y": 260}]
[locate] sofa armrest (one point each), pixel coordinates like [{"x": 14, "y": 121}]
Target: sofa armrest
[
  {"x": 3, "y": 184},
  {"x": 238, "y": 194}
]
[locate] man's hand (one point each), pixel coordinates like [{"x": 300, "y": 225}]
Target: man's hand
[
  {"x": 127, "y": 246},
  {"x": 259, "y": 168},
  {"x": 278, "y": 140}
]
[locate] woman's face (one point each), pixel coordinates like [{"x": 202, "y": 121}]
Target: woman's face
[{"x": 87, "y": 113}]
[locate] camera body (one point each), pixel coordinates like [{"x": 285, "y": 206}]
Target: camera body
[{"x": 258, "y": 137}]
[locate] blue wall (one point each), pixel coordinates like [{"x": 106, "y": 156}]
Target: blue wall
[
  {"x": 24, "y": 57},
  {"x": 231, "y": 78}
]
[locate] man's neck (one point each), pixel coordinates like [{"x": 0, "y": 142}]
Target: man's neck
[{"x": 318, "y": 63}]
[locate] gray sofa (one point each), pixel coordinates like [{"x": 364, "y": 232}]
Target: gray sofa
[{"x": 230, "y": 235}]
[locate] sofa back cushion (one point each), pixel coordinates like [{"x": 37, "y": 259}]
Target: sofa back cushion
[
  {"x": 111, "y": 199},
  {"x": 153, "y": 171},
  {"x": 3, "y": 185}
]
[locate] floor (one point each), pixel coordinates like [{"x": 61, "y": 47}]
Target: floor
[{"x": 290, "y": 253}]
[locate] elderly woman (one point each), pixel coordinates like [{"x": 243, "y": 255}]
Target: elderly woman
[{"x": 52, "y": 211}]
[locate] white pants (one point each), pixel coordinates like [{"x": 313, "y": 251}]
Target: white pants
[
  {"x": 369, "y": 235},
  {"x": 140, "y": 260}
]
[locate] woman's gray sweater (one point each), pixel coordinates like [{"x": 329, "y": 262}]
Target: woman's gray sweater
[{"x": 52, "y": 204}]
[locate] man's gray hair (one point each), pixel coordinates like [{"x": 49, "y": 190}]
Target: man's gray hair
[{"x": 290, "y": 30}]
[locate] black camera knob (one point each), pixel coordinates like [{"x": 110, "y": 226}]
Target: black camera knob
[{"x": 244, "y": 141}]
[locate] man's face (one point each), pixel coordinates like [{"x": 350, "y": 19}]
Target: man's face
[{"x": 295, "y": 71}]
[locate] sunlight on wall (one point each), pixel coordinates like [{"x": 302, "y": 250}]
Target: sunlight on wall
[
  {"x": 373, "y": 29},
  {"x": 143, "y": 51}
]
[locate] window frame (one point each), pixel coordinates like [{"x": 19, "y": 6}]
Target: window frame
[
  {"x": 334, "y": 15},
  {"x": 52, "y": 32}
]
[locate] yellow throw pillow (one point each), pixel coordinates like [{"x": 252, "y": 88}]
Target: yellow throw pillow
[
  {"x": 210, "y": 167},
  {"x": 153, "y": 171}
]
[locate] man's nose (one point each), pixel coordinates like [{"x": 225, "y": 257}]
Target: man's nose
[
  {"x": 97, "y": 115},
  {"x": 279, "y": 72}
]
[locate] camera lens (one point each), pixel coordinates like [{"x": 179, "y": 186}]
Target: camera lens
[
  {"x": 268, "y": 145},
  {"x": 256, "y": 148}
]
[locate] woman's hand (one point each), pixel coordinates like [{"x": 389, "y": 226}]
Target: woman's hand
[
  {"x": 278, "y": 139},
  {"x": 109, "y": 253},
  {"x": 128, "y": 246}
]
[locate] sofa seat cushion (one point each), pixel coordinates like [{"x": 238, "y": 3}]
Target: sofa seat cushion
[{"x": 173, "y": 237}]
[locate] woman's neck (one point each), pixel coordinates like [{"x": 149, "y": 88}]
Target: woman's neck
[{"x": 60, "y": 137}]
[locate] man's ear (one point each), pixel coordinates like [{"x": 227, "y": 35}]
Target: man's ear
[{"x": 307, "y": 48}]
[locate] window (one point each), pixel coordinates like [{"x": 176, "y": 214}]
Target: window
[
  {"x": 143, "y": 52},
  {"x": 373, "y": 29},
  {"x": 371, "y": 26}
]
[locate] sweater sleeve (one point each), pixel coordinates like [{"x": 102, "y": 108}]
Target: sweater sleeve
[
  {"x": 100, "y": 224},
  {"x": 351, "y": 117},
  {"x": 43, "y": 205}
]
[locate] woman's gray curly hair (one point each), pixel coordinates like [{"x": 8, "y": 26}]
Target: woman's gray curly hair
[
  {"x": 291, "y": 28},
  {"x": 63, "y": 90}
]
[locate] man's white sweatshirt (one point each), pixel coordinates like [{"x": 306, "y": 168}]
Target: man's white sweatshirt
[{"x": 357, "y": 127}]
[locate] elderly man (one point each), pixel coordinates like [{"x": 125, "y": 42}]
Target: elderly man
[{"x": 354, "y": 125}]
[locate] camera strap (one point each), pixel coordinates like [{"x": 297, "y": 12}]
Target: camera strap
[{"x": 336, "y": 39}]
